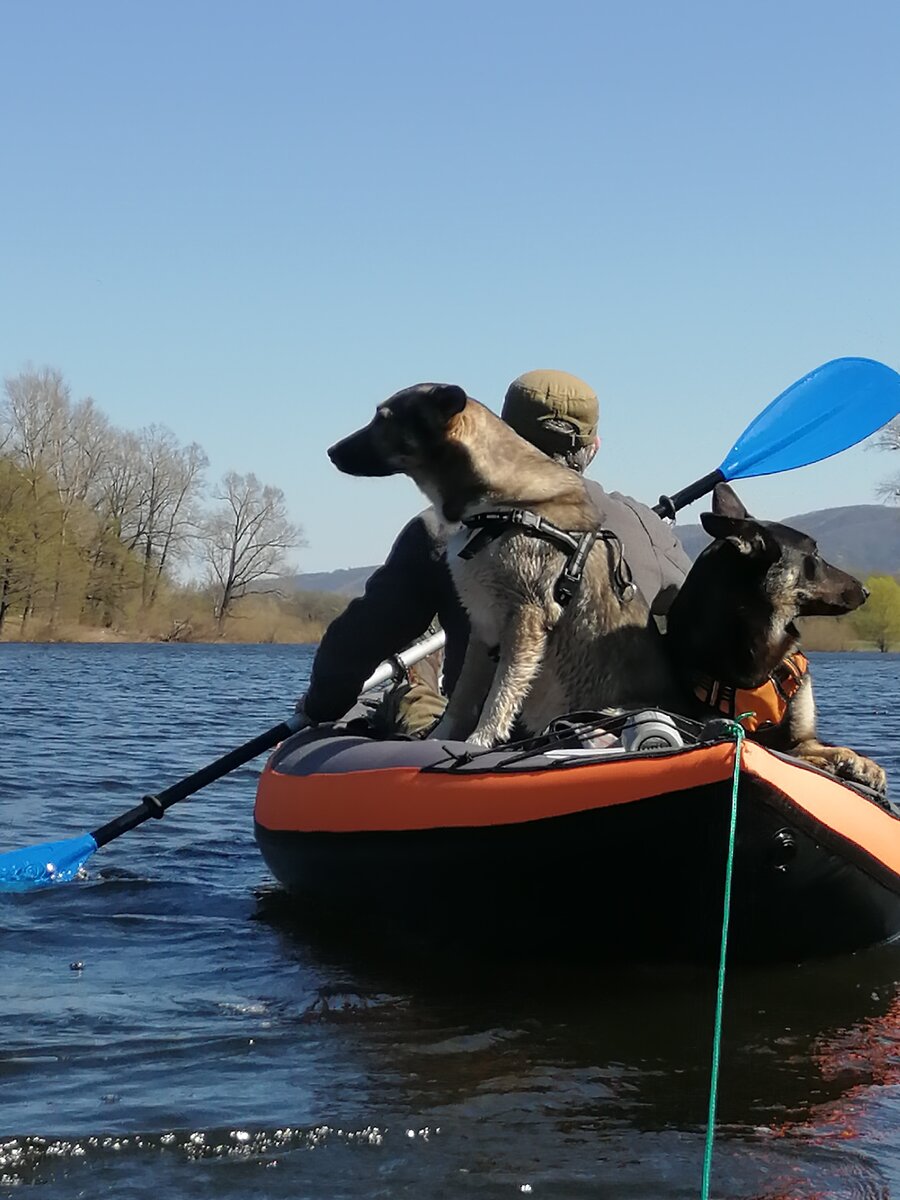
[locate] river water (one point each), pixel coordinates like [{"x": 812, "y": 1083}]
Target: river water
[{"x": 171, "y": 1028}]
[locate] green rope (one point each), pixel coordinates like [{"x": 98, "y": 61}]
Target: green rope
[{"x": 720, "y": 990}]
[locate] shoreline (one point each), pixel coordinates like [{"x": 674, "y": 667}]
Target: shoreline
[
  {"x": 129, "y": 639},
  {"x": 307, "y": 634},
  {"x": 90, "y": 637}
]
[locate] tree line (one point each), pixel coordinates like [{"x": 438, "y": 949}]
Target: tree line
[
  {"x": 100, "y": 525},
  {"x": 108, "y": 528},
  {"x": 878, "y": 621},
  {"x": 875, "y": 626}
]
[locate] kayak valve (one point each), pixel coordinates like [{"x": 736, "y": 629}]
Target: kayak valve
[
  {"x": 784, "y": 849},
  {"x": 650, "y": 730}
]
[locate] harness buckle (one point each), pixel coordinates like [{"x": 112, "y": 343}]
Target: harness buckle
[
  {"x": 526, "y": 518},
  {"x": 565, "y": 587}
]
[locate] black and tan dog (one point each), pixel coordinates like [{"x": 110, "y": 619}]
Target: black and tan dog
[
  {"x": 556, "y": 624},
  {"x": 732, "y": 637}
]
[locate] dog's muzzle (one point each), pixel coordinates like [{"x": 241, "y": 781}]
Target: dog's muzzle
[{"x": 354, "y": 455}]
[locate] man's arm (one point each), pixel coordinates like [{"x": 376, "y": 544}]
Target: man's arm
[
  {"x": 674, "y": 562},
  {"x": 398, "y": 606},
  {"x": 653, "y": 552}
]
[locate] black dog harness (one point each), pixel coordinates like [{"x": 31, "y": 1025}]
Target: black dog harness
[{"x": 489, "y": 525}]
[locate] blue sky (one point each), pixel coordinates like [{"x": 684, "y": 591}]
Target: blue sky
[{"x": 251, "y": 222}]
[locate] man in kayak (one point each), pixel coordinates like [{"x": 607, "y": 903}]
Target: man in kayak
[{"x": 558, "y": 413}]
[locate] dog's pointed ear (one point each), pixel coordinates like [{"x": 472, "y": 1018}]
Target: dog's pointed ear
[
  {"x": 448, "y": 399},
  {"x": 746, "y": 535},
  {"x": 726, "y": 502}
]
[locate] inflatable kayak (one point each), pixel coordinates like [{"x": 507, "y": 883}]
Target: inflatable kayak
[{"x": 603, "y": 850}]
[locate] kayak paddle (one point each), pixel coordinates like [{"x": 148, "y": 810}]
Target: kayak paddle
[
  {"x": 827, "y": 411},
  {"x": 58, "y": 862}
]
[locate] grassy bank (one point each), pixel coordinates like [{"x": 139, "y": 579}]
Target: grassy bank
[
  {"x": 833, "y": 634},
  {"x": 299, "y": 618}
]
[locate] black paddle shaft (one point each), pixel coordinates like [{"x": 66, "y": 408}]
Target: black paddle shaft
[
  {"x": 155, "y": 806},
  {"x": 669, "y": 505}
]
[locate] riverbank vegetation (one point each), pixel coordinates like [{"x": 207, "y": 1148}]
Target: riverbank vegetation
[
  {"x": 109, "y": 534},
  {"x": 875, "y": 626},
  {"x": 186, "y": 614}
]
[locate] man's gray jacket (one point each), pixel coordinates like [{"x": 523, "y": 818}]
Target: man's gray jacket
[{"x": 414, "y": 586}]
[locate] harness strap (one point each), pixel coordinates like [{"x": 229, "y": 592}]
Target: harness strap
[
  {"x": 490, "y": 524},
  {"x": 767, "y": 705}
]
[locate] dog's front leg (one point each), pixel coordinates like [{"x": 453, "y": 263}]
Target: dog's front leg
[
  {"x": 837, "y": 760},
  {"x": 464, "y": 706},
  {"x": 521, "y": 655},
  {"x": 844, "y": 763}
]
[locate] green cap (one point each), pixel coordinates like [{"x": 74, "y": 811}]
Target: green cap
[{"x": 553, "y": 410}]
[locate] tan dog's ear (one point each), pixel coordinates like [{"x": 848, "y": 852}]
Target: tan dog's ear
[{"x": 448, "y": 398}]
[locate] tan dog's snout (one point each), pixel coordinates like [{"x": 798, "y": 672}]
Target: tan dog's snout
[{"x": 359, "y": 454}]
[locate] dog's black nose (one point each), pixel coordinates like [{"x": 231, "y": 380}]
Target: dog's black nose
[{"x": 865, "y": 592}]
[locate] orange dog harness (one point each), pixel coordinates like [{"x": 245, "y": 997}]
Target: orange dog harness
[{"x": 767, "y": 704}]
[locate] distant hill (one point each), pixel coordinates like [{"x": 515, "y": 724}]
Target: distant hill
[
  {"x": 348, "y": 581},
  {"x": 862, "y": 538}
]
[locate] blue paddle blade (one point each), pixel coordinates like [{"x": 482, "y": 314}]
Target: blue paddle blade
[
  {"x": 827, "y": 411},
  {"x": 40, "y": 866}
]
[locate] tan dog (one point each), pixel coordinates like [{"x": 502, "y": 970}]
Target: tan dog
[{"x": 556, "y": 623}]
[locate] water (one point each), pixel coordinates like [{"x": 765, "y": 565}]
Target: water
[{"x": 170, "y": 1027}]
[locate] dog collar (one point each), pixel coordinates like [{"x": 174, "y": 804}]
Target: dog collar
[
  {"x": 488, "y": 525},
  {"x": 767, "y": 704}
]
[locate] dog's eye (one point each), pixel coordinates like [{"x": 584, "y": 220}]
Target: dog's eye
[{"x": 810, "y": 566}]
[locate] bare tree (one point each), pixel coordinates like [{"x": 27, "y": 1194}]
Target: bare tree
[
  {"x": 35, "y": 413},
  {"x": 172, "y": 479},
  {"x": 889, "y": 439},
  {"x": 116, "y": 502},
  {"x": 78, "y": 461},
  {"x": 245, "y": 538}
]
